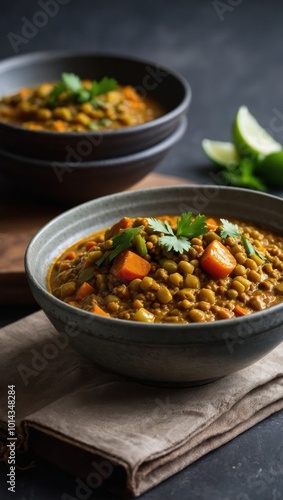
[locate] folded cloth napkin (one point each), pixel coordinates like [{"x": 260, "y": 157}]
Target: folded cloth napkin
[{"x": 151, "y": 432}]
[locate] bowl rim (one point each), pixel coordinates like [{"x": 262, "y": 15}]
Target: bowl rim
[
  {"x": 22, "y": 59},
  {"x": 183, "y": 329},
  {"x": 166, "y": 143}
]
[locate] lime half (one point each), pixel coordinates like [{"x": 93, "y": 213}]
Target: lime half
[
  {"x": 270, "y": 169},
  {"x": 250, "y": 138},
  {"x": 223, "y": 154}
]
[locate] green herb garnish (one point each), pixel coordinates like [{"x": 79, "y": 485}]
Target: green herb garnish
[
  {"x": 85, "y": 275},
  {"x": 121, "y": 242},
  {"x": 243, "y": 175},
  {"x": 186, "y": 228},
  {"x": 230, "y": 229},
  {"x": 72, "y": 85}
]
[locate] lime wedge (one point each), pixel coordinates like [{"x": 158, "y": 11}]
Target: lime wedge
[
  {"x": 270, "y": 169},
  {"x": 223, "y": 154},
  {"x": 250, "y": 138}
]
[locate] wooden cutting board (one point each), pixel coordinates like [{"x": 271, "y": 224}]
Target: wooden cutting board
[{"x": 20, "y": 219}]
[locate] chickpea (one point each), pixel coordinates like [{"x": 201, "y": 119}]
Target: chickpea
[
  {"x": 82, "y": 119},
  {"x": 146, "y": 283},
  {"x": 94, "y": 256},
  {"x": 251, "y": 264},
  {"x": 164, "y": 295},
  {"x": 175, "y": 279},
  {"x": 185, "y": 267},
  {"x": 111, "y": 298},
  {"x": 232, "y": 294},
  {"x": 209, "y": 237},
  {"x": 239, "y": 270},
  {"x": 191, "y": 281},
  {"x": 137, "y": 304},
  {"x": 67, "y": 289},
  {"x": 197, "y": 316},
  {"x": 169, "y": 265},
  {"x": 204, "y": 306},
  {"x": 113, "y": 307},
  {"x": 254, "y": 276},
  {"x": 246, "y": 283},
  {"x": 186, "y": 293},
  {"x": 257, "y": 259},
  {"x": 144, "y": 316},
  {"x": 63, "y": 114},
  {"x": 236, "y": 285},
  {"x": 44, "y": 114},
  {"x": 206, "y": 295},
  {"x": 240, "y": 257}
]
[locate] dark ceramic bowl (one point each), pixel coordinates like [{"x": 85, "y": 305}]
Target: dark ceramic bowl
[
  {"x": 166, "y": 86},
  {"x": 73, "y": 183},
  {"x": 158, "y": 353}
]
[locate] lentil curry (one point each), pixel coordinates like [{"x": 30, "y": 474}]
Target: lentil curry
[
  {"x": 75, "y": 105},
  {"x": 172, "y": 270}
]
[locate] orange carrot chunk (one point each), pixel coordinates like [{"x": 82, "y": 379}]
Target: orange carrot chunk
[
  {"x": 124, "y": 223},
  {"x": 241, "y": 311},
  {"x": 128, "y": 266},
  {"x": 97, "y": 310},
  {"x": 84, "y": 290},
  {"x": 89, "y": 245},
  {"x": 70, "y": 256},
  {"x": 211, "y": 224},
  {"x": 217, "y": 260}
]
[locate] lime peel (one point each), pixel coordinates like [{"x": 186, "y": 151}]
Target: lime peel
[{"x": 250, "y": 138}]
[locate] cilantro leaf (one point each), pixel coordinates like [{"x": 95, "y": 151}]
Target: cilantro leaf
[
  {"x": 250, "y": 249},
  {"x": 75, "y": 91},
  {"x": 158, "y": 226},
  {"x": 189, "y": 228},
  {"x": 178, "y": 244},
  {"x": 85, "y": 275},
  {"x": 230, "y": 229},
  {"x": 183, "y": 223},
  {"x": 105, "y": 85},
  {"x": 186, "y": 228},
  {"x": 121, "y": 242},
  {"x": 72, "y": 82},
  {"x": 58, "y": 89}
]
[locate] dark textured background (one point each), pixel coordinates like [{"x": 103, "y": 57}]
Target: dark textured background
[{"x": 231, "y": 53}]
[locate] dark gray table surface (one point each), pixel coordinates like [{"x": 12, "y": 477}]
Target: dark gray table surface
[{"x": 231, "y": 53}]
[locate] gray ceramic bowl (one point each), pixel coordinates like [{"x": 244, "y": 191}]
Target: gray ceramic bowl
[
  {"x": 158, "y": 353},
  {"x": 163, "y": 84},
  {"x": 75, "y": 182}
]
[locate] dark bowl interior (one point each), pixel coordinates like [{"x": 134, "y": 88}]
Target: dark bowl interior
[
  {"x": 166, "y": 86},
  {"x": 73, "y": 183}
]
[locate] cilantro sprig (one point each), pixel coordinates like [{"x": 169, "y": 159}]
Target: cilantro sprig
[
  {"x": 186, "y": 228},
  {"x": 73, "y": 87},
  {"x": 243, "y": 175},
  {"x": 230, "y": 229},
  {"x": 120, "y": 242}
]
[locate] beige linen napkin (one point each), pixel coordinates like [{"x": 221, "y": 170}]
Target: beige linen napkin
[{"x": 151, "y": 432}]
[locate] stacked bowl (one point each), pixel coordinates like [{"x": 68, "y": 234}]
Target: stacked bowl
[{"x": 73, "y": 167}]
